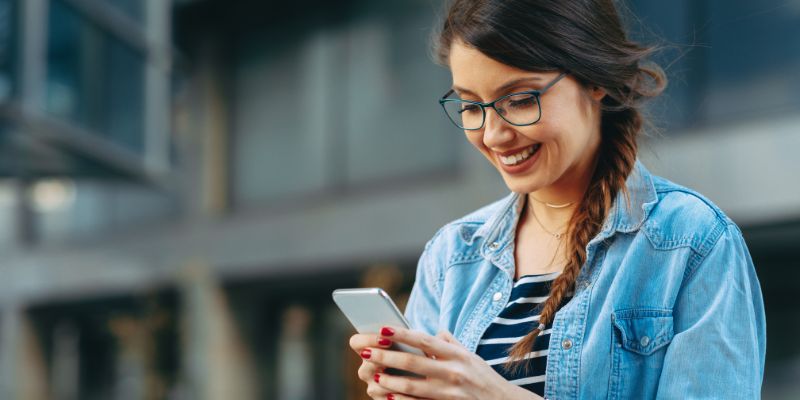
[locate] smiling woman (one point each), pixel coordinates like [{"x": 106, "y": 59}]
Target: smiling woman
[{"x": 593, "y": 278}]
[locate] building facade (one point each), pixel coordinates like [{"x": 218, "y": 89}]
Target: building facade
[{"x": 199, "y": 175}]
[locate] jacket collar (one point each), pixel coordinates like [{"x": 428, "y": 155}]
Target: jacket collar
[
  {"x": 499, "y": 229},
  {"x": 629, "y": 217}
]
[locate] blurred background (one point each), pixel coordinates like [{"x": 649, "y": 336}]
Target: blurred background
[{"x": 183, "y": 183}]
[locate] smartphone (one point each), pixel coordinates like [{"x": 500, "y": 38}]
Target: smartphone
[{"x": 370, "y": 309}]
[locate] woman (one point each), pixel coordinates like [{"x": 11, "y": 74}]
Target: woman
[{"x": 593, "y": 278}]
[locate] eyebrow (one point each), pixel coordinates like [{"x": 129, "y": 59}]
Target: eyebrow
[{"x": 504, "y": 87}]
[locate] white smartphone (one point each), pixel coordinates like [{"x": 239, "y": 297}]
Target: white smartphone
[{"x": 370, "y": 309}]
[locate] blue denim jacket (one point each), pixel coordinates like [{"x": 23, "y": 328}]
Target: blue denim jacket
[{"x": 666, "y": 306}]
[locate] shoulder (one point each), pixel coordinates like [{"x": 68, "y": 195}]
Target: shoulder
[{"x": 682, "y": 217}]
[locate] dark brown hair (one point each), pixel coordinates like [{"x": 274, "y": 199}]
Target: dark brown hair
[{"x": 587, "y": 39}]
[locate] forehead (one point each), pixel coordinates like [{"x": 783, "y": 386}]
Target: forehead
[{"x": 475, "y": 71}]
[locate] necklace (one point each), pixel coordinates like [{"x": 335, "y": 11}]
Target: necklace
[
  {"x": 558, "y": 236},
  {"x": 554, "y": 205}
]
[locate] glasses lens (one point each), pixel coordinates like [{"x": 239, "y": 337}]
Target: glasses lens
[
  {"x": 520, "y": 109},
  {"x": 464, "y": 114}
]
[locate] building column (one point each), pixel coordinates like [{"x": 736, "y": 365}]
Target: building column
[
  {"x": 217, "y": 362},
  {"x": 23, "y": 371}
]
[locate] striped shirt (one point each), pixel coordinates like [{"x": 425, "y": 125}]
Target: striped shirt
[{"x": 520, "y": 317}]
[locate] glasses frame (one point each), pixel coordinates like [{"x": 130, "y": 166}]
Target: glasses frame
[{"x": 537, "y": 93}]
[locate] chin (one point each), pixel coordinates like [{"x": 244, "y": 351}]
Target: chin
[{"x": 520, "y": 185}]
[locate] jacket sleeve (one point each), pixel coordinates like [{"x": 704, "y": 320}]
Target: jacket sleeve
[
  {"x": 422, "y": 309},
  {"x": 720, "y": 330}
]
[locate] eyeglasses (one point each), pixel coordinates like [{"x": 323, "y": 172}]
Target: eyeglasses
[{"x": 518, "y": 109}]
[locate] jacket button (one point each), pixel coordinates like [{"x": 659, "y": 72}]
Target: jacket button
[
  {"x": 497, "y": 296},
  {"x": 566, "y": 344},
  {"x": 644, "y": 341},
  {"x": 494, "y": 246}
]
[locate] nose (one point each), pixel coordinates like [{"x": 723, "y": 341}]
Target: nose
[{"x": 496, "y": 131}]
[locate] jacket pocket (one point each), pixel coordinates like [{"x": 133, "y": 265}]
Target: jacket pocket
[{"x": 639, "y": 343}]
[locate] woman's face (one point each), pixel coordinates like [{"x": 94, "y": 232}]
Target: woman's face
[{"x": 564, "y": 141}]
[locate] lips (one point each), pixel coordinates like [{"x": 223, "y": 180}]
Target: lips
[
  {"x": 515, "y": 157},
  {"x": 519, "y": 161}
]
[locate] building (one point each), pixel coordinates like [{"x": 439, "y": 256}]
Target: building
[{"x": 190, "y": 180}]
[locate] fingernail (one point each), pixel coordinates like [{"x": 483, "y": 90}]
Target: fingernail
[
  {"x": 377, "y": 378},
  {"x": 366, "y": 353},
  {"x": 389, "y": 396},
  {"x": 386, "y": 331},
  {"x": 384, "y": 342}
]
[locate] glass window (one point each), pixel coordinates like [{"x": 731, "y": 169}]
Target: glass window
[
  {"x": 669, "y": 27},
  {"x": 93, "y": 79},
  {"x": 392, "y": 122},
  {"x": 345, "y": 105},
  {"x": 281, "y": 120},
  {"x": 725, "y": 59},
  {"x": 753, "y": 58},
  {"x": 114, "y": 347},
  {"x": 73, "y": 211},
  {"x": 7, "y": 48},
  {"x": 132, "y": 8}
]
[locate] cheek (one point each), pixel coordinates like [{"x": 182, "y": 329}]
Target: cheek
[
  {"x": 563, "y": 141},
  {"x": 551, "y": 133},
  {"x": 567, "y": 130}
]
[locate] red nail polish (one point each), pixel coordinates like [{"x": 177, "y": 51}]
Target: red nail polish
[
  {"x": 384, "y": 342},
  {"x": 377, "y": 378},
  {"x": 366, "y": 353},
  {"x": 389, "y": 396},
  {"x": 386, "y": 331}
]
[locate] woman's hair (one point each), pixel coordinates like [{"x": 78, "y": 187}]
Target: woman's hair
[{"x": 587, "y": 39}]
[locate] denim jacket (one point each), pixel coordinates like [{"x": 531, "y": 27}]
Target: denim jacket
[{"x": 667, "y": 304}]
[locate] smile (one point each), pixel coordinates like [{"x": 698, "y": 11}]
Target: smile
[{"x": 523, "y": 155}]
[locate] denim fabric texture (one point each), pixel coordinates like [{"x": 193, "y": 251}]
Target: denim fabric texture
[{"x": 667, "y": 305}]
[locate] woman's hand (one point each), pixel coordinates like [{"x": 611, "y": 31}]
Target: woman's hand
[
  {"x": 453, "y": 372},
  {"x": 362, "y": 344}
]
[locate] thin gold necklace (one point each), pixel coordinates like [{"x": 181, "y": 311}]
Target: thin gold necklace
[
  {"x": 554, "y": 205},
  {"x": 558, "y": 236}
]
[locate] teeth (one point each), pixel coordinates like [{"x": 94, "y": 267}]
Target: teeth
[{"x": 519, "y": 157}]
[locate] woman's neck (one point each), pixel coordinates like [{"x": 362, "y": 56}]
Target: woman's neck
[
  {"x": 555, "y": 204},
  {"x": 553, "y": 219}
]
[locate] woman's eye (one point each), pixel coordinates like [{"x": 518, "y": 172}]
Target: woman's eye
[
  {"x": 522, "y": 101},
  {"x": 468, "y": 108}
]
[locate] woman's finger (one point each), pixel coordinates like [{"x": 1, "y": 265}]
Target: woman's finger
[
  {"x": 368, "y": 369},
  {"x": 405, "y": 385},
  {"x": 376, "y": 391},
  {"x": 398, "y": 396},
  {"x": 447, "y": 337},
  {"x": 359, "y": 342},
  {"x": 429, "y": 344},
  {"x": 417, "y": 364}
]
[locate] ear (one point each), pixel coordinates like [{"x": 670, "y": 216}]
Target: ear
[{"x": 597, "y": 93}]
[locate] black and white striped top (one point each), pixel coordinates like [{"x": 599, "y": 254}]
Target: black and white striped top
[{"x": 520, "y": 317}]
